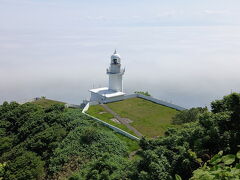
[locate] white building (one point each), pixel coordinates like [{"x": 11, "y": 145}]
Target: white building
[{"x": 114, "y": 91}]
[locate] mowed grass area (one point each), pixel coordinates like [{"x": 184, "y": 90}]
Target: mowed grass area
[
  {"x": 100, "y": 113},
  {"x": 94, "y": 110},
  {"x": 148, "y": 118},
  {"x": 46, "y": 102}
]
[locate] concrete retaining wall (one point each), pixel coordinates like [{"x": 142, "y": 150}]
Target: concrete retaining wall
[
  {"x": 149, "y": 98},
  {"x": 120, "y": 98},
  {"x": 130, "y": 96},
  {"x": 86, "y": 108}
]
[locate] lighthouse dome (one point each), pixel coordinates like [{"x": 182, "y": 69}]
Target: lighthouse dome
[{"x": 115, "y": 58}]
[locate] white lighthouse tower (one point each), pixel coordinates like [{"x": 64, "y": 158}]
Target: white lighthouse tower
[
  {"x": 115, "y": 73},
  {"x": 114, "y": 91}
]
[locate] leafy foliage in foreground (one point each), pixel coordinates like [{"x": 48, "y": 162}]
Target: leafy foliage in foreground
[
  {"x": 87, "y": 143},
  {"x": 108, "y": 167},
  {"x": 39, "y": 142},
  {"x": 220, "y": 167},
  {"x": 214, "y": 131}
]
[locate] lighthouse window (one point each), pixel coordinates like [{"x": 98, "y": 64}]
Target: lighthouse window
[{"x": 115, "y": 61}]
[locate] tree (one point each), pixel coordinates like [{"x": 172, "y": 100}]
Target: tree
[
  {"x": 26, "y": 166},
  {"x": 109, "y": 166},
  {"x": 143, "y": 93},
  {"x": 153, "y": 166},
  {"x": 231, "y": 104},
  {"x": 190, "y": 115},
  {"x": 219, "y": 167},
  {"x": 2, "y": 170},
  {"x": 209, "y": 133}
]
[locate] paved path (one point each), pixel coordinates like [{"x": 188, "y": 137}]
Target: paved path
[{"x": 124, "y": 121}]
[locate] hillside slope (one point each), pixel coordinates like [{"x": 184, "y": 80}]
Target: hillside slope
[
  {"x": 149, "y": 118},
  {"x": 59, "y": 143},
  {"x": 48, "y": 142}
]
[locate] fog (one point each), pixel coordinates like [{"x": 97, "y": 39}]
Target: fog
[{"x": 189, "y": 65}]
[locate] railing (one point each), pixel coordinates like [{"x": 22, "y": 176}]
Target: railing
[{"x": 120, "y": 72}]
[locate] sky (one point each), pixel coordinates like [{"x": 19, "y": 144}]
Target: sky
[{"x": 186, "y": 52}]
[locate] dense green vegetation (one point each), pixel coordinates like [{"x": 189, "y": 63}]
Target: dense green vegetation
[
  {"x": 220, "y": 167},
  {"x": 51, "y": 142},
  {"x": 214, "y": 131},
  {"x": 143, "y": 93},
  {"x": 148, "y": 118},
  {"x": 54, "y": 142},
  {"x": 46, "y": 102},
  {"x": 190, "y": 115}
]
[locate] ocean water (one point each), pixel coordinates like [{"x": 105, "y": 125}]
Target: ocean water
[{"x": 189, "y": 66}]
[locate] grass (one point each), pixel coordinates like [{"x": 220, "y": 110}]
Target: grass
[
  {"x": 100, "y": 113},
  {"x": 46, "y": 102},
  {"x": 94, "y": 111},
  {"x": 133, "y": 145},
  {"x": 149, "y": 118}
]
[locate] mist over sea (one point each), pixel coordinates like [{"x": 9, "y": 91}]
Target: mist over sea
[
  {"x": 187, "y": 55},
  {"x": 188, "y": 66}
]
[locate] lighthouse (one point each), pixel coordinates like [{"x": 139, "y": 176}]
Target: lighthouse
[
  {"x": 115, "y": 73},
  {"x": 114, "y": 91}
]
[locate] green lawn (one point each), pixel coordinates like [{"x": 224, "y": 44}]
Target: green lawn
[
  {"x": 132, "y": 145},
  {"x": 149, "y": 118},
  {"x": 46, "y": 102},
  {"x": 100, "y": 113}
]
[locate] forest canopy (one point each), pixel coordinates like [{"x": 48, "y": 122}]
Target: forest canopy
[{"x": 52, "y": 142}]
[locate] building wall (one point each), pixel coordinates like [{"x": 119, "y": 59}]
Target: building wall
[
  {"x": 96, "y": 97},
  {"x": 115, "y": 68},
  {"x": 114, "y": 99},
  {"x": 115, "y": 82}
]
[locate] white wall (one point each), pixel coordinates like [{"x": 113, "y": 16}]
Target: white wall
[
  {"x": 115, "y": 82},
  {"x": 96, "y": 97}
]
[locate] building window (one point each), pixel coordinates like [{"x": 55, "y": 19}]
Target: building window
[{"x": 115, "y": 61}]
